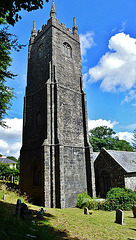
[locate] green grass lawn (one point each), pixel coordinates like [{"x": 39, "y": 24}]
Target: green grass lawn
[{"x": 61, "y": 223}]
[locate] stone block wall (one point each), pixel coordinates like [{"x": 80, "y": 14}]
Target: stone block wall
[
  {"x": 108, "y": 174},
  {"x": 55, "y": 134},
  {"x": 130, "y": 181}
]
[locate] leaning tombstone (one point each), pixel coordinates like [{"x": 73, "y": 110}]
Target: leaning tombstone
[
  {"x": 119, "y": 216},
  {"x": 134, "y": 210},
  {"x": 18, "y": 208},
  {"x": 86, "y": 210}
]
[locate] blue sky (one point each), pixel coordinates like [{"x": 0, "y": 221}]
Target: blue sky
[{"x": 107, "y": 31}]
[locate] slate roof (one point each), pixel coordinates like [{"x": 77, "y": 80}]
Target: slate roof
[
  {"x": 6, "y": 160},
  {"x": 127, "y": 160},
  {"x": 95, "y": 155}
]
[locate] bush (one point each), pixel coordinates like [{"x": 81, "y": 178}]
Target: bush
[
  {"x": 119, "y": 198},
  {"x": 84, "y": 200},
  {"x": 116, "y": 198}
]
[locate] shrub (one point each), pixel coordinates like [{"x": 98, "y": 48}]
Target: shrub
[
  {"x": 116, "y": 198},
  {"x": 84, "y": 200},
  {"x": 119, "y": 198}
]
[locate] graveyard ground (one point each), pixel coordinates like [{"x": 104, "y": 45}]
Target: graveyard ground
[{"x": 60, "y": 223}]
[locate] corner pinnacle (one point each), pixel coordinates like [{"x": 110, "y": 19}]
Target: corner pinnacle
[
  {"x": 75, "y": 28},
  {"x": 34, "y": 32},
  {"x": 53, "y": 11}
]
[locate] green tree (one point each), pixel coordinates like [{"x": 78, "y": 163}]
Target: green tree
[
  {"x": 105, "y": 137},
  {"x": 7, "y": 172},
  {"x": 9, "y": 14},
  {"x": 102, "y": 132},
  {"x": 4, "y": 170},
  {"x": 9, "y": 9},
  {"x": 12, "y": 158},
  {"x": 8, "y": 42}
]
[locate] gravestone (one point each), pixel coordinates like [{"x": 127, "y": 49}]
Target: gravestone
[
  {"x": 18, "y": 208},
  {"x": 4, "y": 197},
  {"x": 86, "y": 210},
  {"x": 119, "y": 216},
  {"x": 134, "y": 210}
]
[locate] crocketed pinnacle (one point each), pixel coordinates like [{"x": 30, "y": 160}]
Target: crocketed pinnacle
[
  {"x": 53, "y": 11},
  {"x": 34, "y": 32},
  {"x": 75, "y": 28}
]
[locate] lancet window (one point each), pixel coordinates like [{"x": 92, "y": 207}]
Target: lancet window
[{"x": 40, "y": 51}]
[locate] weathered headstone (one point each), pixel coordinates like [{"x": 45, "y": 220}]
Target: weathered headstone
[
  {"x": 86, "y": 210},
  {"x": 134, "y": 210},
  {"x": 4, "y": 197},
  {"x": 119, "y": 216},
  {"x": 18, "y": 208}
]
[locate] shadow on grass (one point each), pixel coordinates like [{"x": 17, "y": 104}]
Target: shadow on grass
[
  {"x": 134, "y": 229},
  {"x": 28, "y": 227},
  {"x": 131, "y": 238}
]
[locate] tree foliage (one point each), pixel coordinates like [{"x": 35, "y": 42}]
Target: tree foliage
[
  {"x": 9, "y": 9},
  {"x": 105, "y": 137},
  {"x": 7, "y": 172},
  {"x": 9, "y": 14},
  {"x": 15, "y": 160},
  {"x": 8, "y": 42}
]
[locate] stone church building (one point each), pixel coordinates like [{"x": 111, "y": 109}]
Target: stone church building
[
  {"x": 56, "y": 157},
  {"x": 114, "y": 169}
]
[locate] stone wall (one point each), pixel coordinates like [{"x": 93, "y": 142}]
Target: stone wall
[
  {"x": 55, "y": 134},
  {"x": 130, "y": 181},
  {"x": 108, "y": 174}
]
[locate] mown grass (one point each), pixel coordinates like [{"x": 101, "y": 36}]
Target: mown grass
[{"x": 61, "y": 223}]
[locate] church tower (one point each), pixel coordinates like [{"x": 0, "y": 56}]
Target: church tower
[{"x": 56, "y": 157}]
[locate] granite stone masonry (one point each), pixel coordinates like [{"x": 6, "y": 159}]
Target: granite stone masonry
[{"x": 56, "y": 157}]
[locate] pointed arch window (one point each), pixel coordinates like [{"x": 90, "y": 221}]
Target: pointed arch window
[
  {"x": 40, "y": 51},
  {"x": 67, "y": 50}
]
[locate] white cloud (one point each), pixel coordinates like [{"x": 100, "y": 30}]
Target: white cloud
[
  {"x": 123, "y": 26},
  {"x": 10, "y": 138},
  {"x": 125, "y": 136},
  {"x": 130, "y": 97},
  {"x": 130, "y": 127},
  {"x": 100, "y": 122},
  {"x": 87, "y": 42},
  {"x": 117, "y": 68}
]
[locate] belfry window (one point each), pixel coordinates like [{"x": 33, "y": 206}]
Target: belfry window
[
  {"x": 40, "y": 51},
  {"x": 67, "y": 50}
]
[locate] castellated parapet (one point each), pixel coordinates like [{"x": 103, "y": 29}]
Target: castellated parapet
[
  {"x": 56, "y": 157},
  {"x": 55, "y": 23}
]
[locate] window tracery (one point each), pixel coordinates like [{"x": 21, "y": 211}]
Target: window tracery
[{"x": 67, "y": 50}]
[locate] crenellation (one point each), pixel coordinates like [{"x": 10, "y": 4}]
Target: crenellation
[
  {"x": 57, "y": 21},
  {"x": 49, "y": 20},
  {"x": 43, "y": 26},
  {"x": 69, "y": 29},
  {"x": 63, "y": 25}
]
